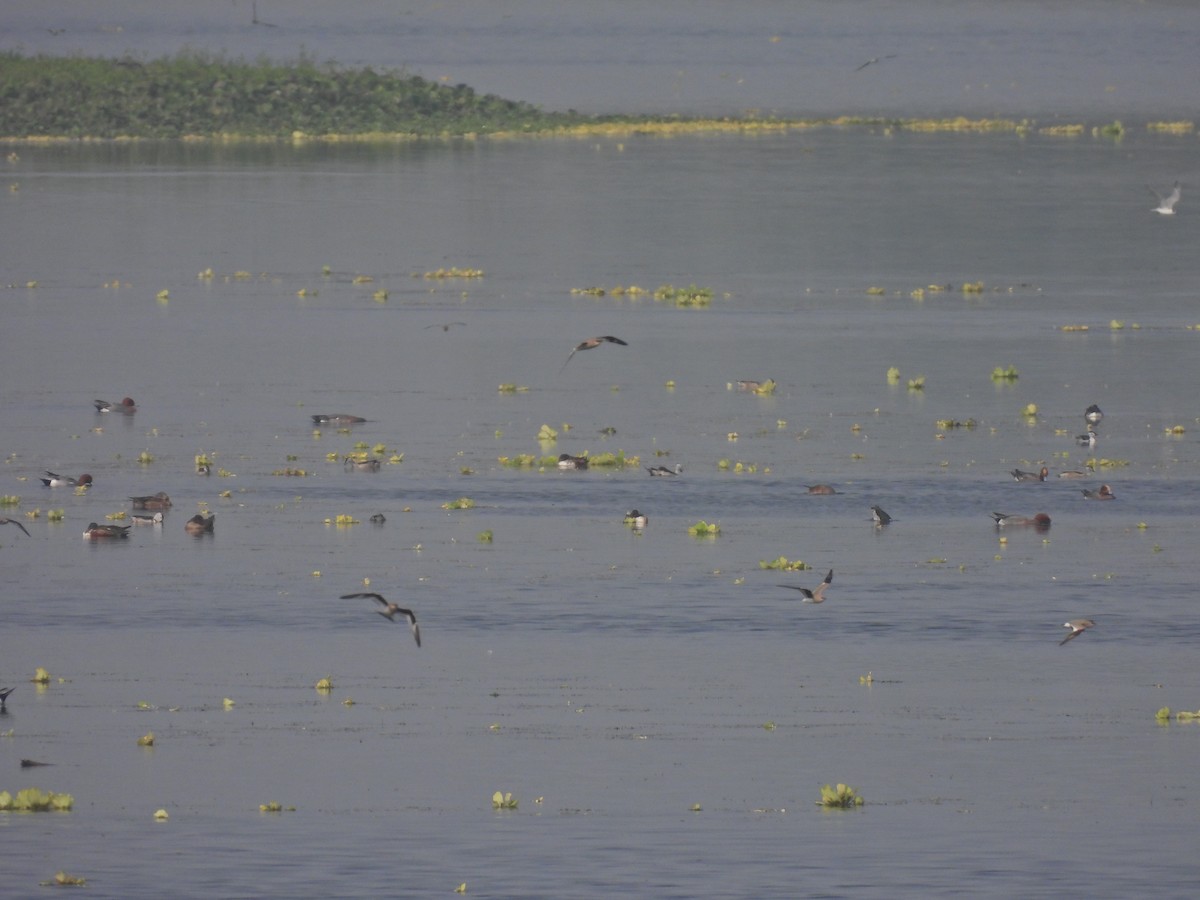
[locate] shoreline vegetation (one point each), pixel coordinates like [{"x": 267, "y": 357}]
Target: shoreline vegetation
[{"x": 201, "y": 97}]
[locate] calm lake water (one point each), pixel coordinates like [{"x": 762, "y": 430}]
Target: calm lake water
[{"x": 609, "y": 678}]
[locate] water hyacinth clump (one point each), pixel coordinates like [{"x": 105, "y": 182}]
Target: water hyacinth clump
[
  {"x": 503, "y": 801},
  {"x": 35, "y": 800},
  {"x": 841, "y": 797}
]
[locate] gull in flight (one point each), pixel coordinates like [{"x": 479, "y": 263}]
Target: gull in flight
[
  {"x": 7, "y": 521},
  {"x": 390, "y": 611},
  {"x": 1166, "y": 205},
  {"x": 817, "y": 595},
  {"x": 875, "y": 59},
  {"x": 592, "y": 343},
  {"x": 1078, "y": 627}
]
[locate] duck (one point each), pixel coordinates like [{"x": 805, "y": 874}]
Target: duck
[
  {"x": 7, "y": 521},
  {"x": 593, "y": 342},
  {"x": 820, "y": 489},
  {"x": 664, "y": 472},
  {"x": 1078, "y": 627},
  {"x": 1087, "y": 440},
  {"x": 100, "y": 532},
  {"x": 636, "y": 519},
  {"x": 156, "y": 519},
  {"x": 817, "y": 594},
  {"x": 54, "y": 480},
  {"x": 1104, "y": 492},
  {"x": 356, "y": 464},
  {"x": 567, "y": 461},
  {"x": 337, "y": 419},
  {"x": 378, "y": 519},
  {"x": 1018, "y": 475},
  {"x": 1092, "y": 415},
  {"x": 1041, "y": 520},
  {"x": 152, "y": 501},
  {"x": 879, "y": 516},
  {"x": 197, "y": 524},
  {"x": 390, "y": 611},
  {"x": 126, "y": 406},
  {"x": 1074, "y": 473}
]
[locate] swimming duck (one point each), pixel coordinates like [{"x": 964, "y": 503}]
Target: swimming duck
[
  {"x": 354, "y": 463},
  {"x": 817, "y": 594},
  {"x": 1087, "y": 440},
  {"x": 100, "y": 532},
  {"x": 1018, "y": 475},
  {"x": 337, "y": 419},
  {"x": 156, "y": 519},
  {"x": 1041, "y": 520},
  {"x": 592, "y": 343},
  {"x": 567, "y": 461},
  {"x": 126, "y": 406},
  {"x": 879, "y": 516},
  {"x": 390, "y": 611},
  {"x": 820, "y": 489},
  {"x": 54, "y": 480},
  {"x": 378, "y": 519},
  {"x": 197, "y": 524},
  {"x": 153, "y": 501},
  {"x": 663, "y": 471},
  {"x": 1104, "y": 492},
  {"x": 1078, "y": 627},
  {"x": 1074, "y": 473},
  {"x": 1092, "y": 415},
  {"x": 636, "y": 519},
  {"x": 6, "y": 521}
]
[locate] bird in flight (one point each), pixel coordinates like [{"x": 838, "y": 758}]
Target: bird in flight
[
  {"x": 1166, "y": 205},
  {"x": 875, "y": 59},
  {"x": 1078, "y": 627},
  {"x": 390, "y": 611},
  {"x": 592, "y": 343},
  {"x": 817, "y": 595},
  {"x": 7, "y": 521}
]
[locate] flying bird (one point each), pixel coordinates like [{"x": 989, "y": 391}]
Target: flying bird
[
  {"x": 817, "y": 595},
  {"x": 5, "y": 521},
  {"x": 592, "y": 343},
  {"x": 875, "y": 59},
  {"x": 390, "y": 611},
  {"x": 4, "y": 692},
  {"x": 1078, "y": 627},
  {"x": 1166, "y": 205}
]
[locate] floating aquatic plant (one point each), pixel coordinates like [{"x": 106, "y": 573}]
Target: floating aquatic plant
[
  {"x": 1073, "y": 328},
  {"x": 453, "y": 272},
  {"x": 547, "y": 435},
  {"x": 695, "y": 807},
  {"x": 783, "y": 564},
  {"x": 509, "y": 388},
  {"x": 520, "y": 461},
  {"x": 866, "y": 679},
  {"x": 841, "y": 797},
  {"x": 503, "y": 801},
  {"x": 163, "y": 296},
  {"x": 768, "y": 726},
  {"x": 1175, "y": 429},
  {"x": 1181, "y": 127},
  {"x": 325, "y": 685},
  {"x": 1163, "y": 716},
  {"x": 145, "y": 457},
  {"x": 893, "y": 375},
  {"x": 1002, "y": 374},
  {"x": 1114, "y": 130},
  {"x": 484, "y": 537},
  {"x": 146, "y": 740},
  {"x": 275, "y": 806},
  {"x": 1030, "y": 411},
  {"x": 1116, "y": 324},
  {"x": 40, "y": 676},
  {"x": 343, "y": 520},
  {"x": 62, "y": 879},
  {"x": 460, "y": 503},
  {"x": 875, "y": 291},
  {"x": 10, "y": 500},
  {"x": 917, "y": 384},
  {"x": 35, "y": 800},
  {"x": 704, "y": 529},
  {"x": 972, "y": 287},
  {"x": 290, "y": 472},
  {"x": 947, "y": 424},
  {"x": 690, "y": 296},
  {"x": 161, "y": 815}
]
